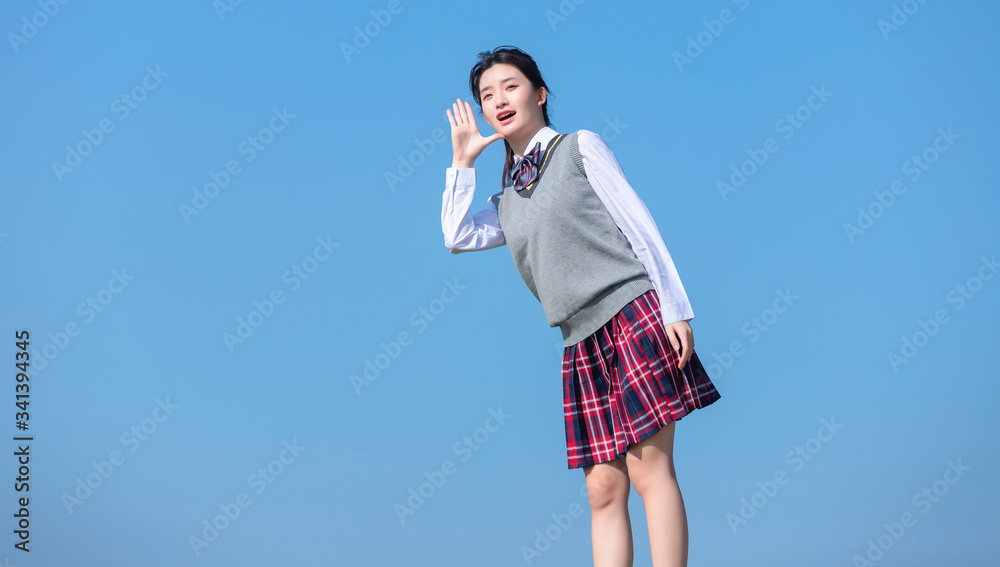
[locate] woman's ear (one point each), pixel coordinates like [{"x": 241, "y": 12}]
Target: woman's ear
[{"x": 543, "y": 95}]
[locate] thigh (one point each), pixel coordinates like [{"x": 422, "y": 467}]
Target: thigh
[
  {"x": 652, "y": 459},
  {"x": 607, "y": 482}
]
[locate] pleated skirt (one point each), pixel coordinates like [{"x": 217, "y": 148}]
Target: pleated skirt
[{"x": 621, "y": 384}]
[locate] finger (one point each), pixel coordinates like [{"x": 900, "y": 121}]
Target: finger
[
  {"x": 686, "y": 352},
  {"x": 451, "y": 119},
  {"x": 472, "y": 117},
  {"x": 672, "y": 338},
  {"x": 458, "y": 113},
  {"x": 465, "y": 115}
]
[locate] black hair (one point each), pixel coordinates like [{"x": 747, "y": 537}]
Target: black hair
[{"x": 512, "y": 56}]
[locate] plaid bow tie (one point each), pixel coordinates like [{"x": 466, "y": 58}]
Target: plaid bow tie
[{"x": 526, "y": 169}]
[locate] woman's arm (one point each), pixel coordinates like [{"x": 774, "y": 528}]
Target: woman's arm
[
  {"x": 636, "y": 223},
  {"x": 463, "y": 231}
]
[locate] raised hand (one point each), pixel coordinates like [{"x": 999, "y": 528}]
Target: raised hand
[{"x": 466, "y": 141}]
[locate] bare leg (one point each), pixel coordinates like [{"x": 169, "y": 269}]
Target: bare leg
[
  {"x": 651, "y": 469},
  {"x": 611, "y": 529}
]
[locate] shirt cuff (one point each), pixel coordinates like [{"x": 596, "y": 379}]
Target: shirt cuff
[{"x": 463, "y": 176}]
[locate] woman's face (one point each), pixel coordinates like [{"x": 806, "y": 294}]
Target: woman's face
[{"x": 503, "y": 90}]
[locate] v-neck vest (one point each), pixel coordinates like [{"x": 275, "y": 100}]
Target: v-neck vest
[{"x": 566, "y": 246}]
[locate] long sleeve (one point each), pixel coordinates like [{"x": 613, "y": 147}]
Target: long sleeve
[
  {"x": 463, "y": 231},
  {"x": 636, "y": 223}
]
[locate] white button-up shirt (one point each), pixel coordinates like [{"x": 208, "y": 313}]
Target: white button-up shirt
[{"x": 465, "y": 232}]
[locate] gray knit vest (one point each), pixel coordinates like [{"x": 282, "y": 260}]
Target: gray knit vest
[{"x": 573, "y": 257}]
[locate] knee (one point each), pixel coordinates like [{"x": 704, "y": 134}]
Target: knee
[
  {"x": 607, "y": 486},
  {"x": 650, "y": 479}
]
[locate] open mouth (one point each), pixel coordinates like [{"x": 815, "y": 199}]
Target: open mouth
[{"x": 506, "y": 117}]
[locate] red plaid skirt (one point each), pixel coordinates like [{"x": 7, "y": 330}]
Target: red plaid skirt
[{"x": 621, "y": 384}]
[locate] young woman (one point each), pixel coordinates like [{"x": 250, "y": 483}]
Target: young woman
[{"x": 589, "y": 251}]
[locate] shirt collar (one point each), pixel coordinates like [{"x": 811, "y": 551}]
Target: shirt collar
[{"x": 544, "y": 136}]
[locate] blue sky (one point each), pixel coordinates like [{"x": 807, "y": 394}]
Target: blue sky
[{"x": 193, "y": 347}]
